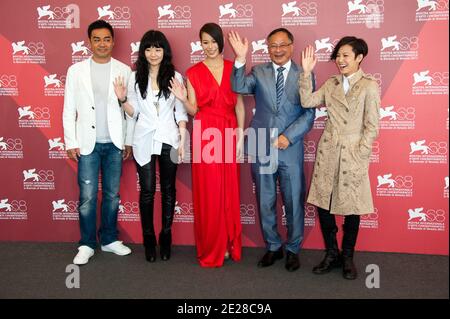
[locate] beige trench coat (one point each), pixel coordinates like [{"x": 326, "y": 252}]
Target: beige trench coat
[{"x": 341, "y": 170}]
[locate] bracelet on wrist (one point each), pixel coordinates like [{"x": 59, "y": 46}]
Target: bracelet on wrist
[{"x": 123, "y": 101}]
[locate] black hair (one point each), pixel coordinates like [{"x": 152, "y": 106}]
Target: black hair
[
  {"x": 154, "y": 39},
  {"x": 215, "y": 31},
  {"x": 284, "y": 30},
  {"x": 359, "y": 46},
  {"x": 100, "y": 24}
]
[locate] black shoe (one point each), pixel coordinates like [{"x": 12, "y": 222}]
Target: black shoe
[
  {"x": 150, "y": 254},
  {"x": 165, "y": 253},
  {"x": 331, "y": 260},
  {"x": 292, "y": 262},
  {"x": 270, "y": 257},
  {"x": 150, "y": 248},
  {"x": 349, "y": 270},
  {"x": 165, "y": 242}
]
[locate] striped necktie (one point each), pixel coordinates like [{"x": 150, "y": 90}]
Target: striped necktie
[{"x": 280, "y": 84}]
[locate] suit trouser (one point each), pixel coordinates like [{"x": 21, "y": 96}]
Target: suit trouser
[{"x": 291, "y": 180}]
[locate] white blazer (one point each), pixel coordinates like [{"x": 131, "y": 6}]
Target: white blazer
[
  {"x": 151, "y": 130},
  {"x": 79, "y": 108}
]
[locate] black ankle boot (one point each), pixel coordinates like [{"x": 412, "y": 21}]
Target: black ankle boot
[
  {"x": 150, "y": 248},
  {"x": 331, "y": 260},
  {"x": 165, "y": 242},
  {"x": 349, "y": 269}
]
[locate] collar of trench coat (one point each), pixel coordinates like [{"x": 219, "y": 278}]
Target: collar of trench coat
[{"x": 339, "y": 93}]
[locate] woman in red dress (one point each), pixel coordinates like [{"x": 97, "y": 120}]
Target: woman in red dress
[{"x": 217, "y": 145}]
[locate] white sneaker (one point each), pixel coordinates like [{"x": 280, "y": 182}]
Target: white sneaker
[
  {"x": 118, "y": 248},
  {"x": 84, "y": 253}
]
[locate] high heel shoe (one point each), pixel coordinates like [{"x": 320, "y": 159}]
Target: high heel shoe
[
  {"x": 150, "y": 248},
  {"x": 165, "y": 242},
  {"x": 150, "y": 254}
]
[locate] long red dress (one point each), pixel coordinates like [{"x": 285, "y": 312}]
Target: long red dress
[{"x": 215, "y": 173}]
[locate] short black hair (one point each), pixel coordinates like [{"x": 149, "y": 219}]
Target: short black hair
[
  {"x": 288, "y": 33},
  {"x": 100, "y": 24},
  {"x": 359, "y": 46},
  {"x": 215, "y": 31}
]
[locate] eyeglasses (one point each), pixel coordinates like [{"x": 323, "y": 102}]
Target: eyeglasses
[{"x": 281, "y": 46}]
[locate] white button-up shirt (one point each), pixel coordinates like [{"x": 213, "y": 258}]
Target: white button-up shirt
[
  {"x": 346, "y": 82},
  {"x": 287, "y": 67},
  {"x": 152, "y": 130}
]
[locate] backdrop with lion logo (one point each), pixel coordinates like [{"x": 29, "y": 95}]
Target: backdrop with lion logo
[{"x": 408, "y": 56}]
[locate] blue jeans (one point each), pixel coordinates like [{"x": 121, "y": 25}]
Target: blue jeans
[{"x": 107, "y": 158}]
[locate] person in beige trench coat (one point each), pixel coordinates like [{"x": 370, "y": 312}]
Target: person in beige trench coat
[{"x": 340, "y": 183}]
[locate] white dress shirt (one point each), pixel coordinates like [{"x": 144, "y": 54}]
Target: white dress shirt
[
  {"x": 346, "y": 82},
  {"x": 287, "y": 67},
  {"x": 152, "y": 130}
]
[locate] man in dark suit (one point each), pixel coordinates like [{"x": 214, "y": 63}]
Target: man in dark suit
[{"x": 279, "y": 125}]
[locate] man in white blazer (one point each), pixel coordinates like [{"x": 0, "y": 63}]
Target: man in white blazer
[{"x": 94, "y": 134}]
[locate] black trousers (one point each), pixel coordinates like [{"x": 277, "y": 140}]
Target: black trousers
[
  {"x": 147, "y": 181},
  {"x": 350, "y": 227}
]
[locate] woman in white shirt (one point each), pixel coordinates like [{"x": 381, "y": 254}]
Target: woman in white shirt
[{"x": 158, "y": 134}]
